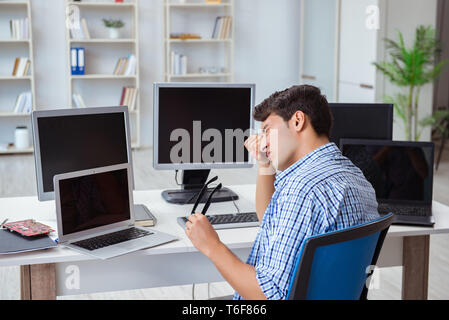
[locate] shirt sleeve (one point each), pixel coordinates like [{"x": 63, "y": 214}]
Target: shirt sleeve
[{"x": 297, "y": 218}]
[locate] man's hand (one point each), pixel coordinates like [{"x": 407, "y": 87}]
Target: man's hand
[
  {"x": 257, "y": 148},
  {"x": 202, "y": 234}
]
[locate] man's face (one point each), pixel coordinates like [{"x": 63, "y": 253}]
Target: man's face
[{"x": 279, "y": 141}]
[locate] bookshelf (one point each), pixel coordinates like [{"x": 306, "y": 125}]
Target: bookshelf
[
  {"x": 99, "y": 86},
  {"x": 208, "y": 58},
  {"x": 12, "y": 86}
]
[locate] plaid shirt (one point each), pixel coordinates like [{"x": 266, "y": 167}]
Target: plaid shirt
[{"x": 320, "y": 193}]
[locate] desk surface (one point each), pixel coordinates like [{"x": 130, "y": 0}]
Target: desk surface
[{"x": 30, "y": 207}]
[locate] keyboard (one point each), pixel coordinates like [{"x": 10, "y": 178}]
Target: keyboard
[
  {"x": 402, "y": 210},
  {"x": 228, "y": 221},
  {"x": 111, "y": 238}
]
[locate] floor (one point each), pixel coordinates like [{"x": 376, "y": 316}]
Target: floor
[{"x": 18, "y": 179}]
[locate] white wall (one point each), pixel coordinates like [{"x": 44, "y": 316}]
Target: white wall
[{"x": 266, "y": 50}]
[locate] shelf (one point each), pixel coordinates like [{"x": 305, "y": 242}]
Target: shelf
[
  {"x": 102, "y": 4},
  {"x": 102, "y": 40},
  {"x": 199, "y": 40},
  {"x": 13, "y": 114},
  {"x": 102, "y": 76},
  {"x": 14, "y": 40},
  {"x": 15, "y": 78},
  {"x": 198, "y": 5},
  {"x": 200, "y": 75},
  {"x": 15, "y": 3},
  {"x": 12, "y": 150}
]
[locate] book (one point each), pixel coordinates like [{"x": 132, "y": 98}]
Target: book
[
  {"x": 144, "y": 218},
  {"x": 85, "y": 29},
  {"x": 19, "y": 29},
  {"x": 78, "y": 101},
  {"x": 21, "y": 66},
  {"x": 11, "y": 243}
]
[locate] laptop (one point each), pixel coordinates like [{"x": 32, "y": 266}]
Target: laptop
[
  {"x": 401, "y": 173},
  {"x": 94, "y": 210}
]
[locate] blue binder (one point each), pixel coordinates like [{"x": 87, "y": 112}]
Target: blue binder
[{"x": 81, "y": 60}]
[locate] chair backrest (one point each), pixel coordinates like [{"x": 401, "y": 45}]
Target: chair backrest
[{"x": 335, "y": 265}]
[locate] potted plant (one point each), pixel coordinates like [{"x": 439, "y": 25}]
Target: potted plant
[
  {"x": 411, "y": 68},
  {"x": 114, "y": 27},
  {"x": 439, "y": 121}
]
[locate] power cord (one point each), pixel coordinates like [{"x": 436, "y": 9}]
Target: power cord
[{"x": 176, "y": 178}]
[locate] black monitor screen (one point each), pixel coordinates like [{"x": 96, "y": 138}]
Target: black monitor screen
[
  {"x": 94, "y": 201},
  {"x": 80, "y": 142},
  {"x": 203, "y": 125},
  {"x": 397, "y": 173},
  {"x": 361, "y": 121}
]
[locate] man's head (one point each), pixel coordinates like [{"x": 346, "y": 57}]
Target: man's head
[{"x": 296, "y": 120}]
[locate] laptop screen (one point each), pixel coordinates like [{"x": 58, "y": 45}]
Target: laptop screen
[
  {"x": 399, "y": 172},
  {"x": 94, "y": 200}
]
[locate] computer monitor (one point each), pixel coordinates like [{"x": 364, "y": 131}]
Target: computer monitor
[
  {"x": 68, "y": 140},
  {"x": 361, "y": 121},
  {"x": 199, "y": 127}
]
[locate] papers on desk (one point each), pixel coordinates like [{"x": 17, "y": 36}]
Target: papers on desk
[{"x": 11, "y": 243}]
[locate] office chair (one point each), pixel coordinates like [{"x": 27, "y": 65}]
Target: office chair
[{"x": 335, "y": 265}]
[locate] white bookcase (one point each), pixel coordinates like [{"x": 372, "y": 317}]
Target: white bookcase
[
  {"x": 11, "y": 86},
  {"x": 99, "y": 86},
  {"x": 198, "y": 16}
]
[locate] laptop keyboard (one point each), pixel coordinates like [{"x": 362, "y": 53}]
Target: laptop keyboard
[
  {"x": 404, "y": 210},
  {"x": 229, "y": 221},
  {"x": 112, "y": 238}
]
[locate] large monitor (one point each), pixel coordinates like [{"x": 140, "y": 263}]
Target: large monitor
[
  {"x": 68, "y": 140},
  {"x": 198, "y": 127},
  {"x": 361, "y": 121}
]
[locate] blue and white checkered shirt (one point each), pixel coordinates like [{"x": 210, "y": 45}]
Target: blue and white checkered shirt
[{"x": 320, "y": 193}]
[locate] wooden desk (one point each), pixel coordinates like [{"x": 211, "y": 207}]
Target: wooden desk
[{"x": 46, "y": 274}]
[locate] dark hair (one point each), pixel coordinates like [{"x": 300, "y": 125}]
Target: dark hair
[{"x": 305, "y": 98}]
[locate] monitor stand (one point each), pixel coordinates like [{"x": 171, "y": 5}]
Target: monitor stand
[{"x": 192, "y": 182}]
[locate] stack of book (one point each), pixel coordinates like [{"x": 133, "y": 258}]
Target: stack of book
[
  {"x": 79, "y": 30},
  {"x": 78, "y": 101},
  {"x": 24, "y": 103},
  {"x": 222, "y": 28},
  {"x": 129, "y": 98},
  {"x": 21, "y": 67},
  {"x": 126, "y": 66},
  {"x": 19, "y": 29},
  {"x": 178, "y": 63},
  {"x": 184, "y": 36}
]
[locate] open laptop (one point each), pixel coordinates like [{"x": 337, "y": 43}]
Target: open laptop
[
  {"x": 401, "y": 173},
  {"x": 94, "y": 210}
]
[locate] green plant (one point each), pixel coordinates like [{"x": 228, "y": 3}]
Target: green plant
[
  {"x": 111, "y": 23},
  {"x": 439, "y": 122},
  {"x": 411, "y": 68}
]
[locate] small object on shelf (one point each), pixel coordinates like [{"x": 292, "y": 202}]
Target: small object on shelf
[
  {"x": 19, "y": 29},
  {"x": 114, "y": 27},
  {"x": 213, "y": 1},
  {"x": 28, "y": 228},
  {"x": 21, "y": 67},
  {"x": 178, "y": 63},
  {"x": 21, "y": 138},
  {"x": 77, "y": 61},
  {"x": 24, "y": 103},
  {"x": 78, "y": 101},
  {"x": 184, "y": 36}
]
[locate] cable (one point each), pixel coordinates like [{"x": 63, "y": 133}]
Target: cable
[
  {"x": 235, "y": 205},
  {"x": 176, "y": 178},
  {"x": 193, "y": 291}
]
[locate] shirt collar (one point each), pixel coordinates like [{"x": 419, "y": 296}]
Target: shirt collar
[{"x": 324, "y": 150}]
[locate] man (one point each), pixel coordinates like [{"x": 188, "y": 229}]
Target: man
[{"x": 316, "y": 190}]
